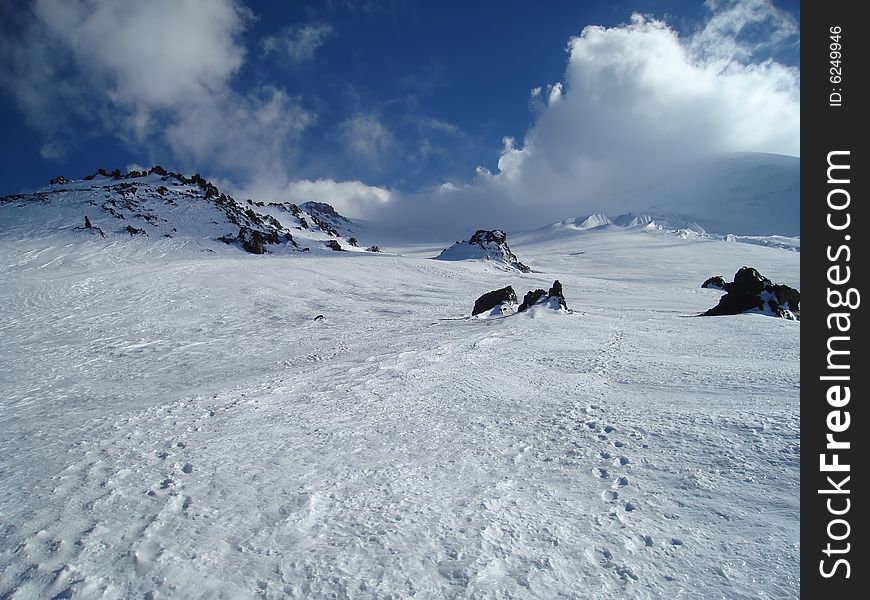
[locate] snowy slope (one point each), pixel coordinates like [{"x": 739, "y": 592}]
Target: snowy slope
[
  {"x": 680, "y": 225},
  {"x": 177, "y": 425},
  {"x": 744, "y": 193},
  {"x": 171, "y": 206}
]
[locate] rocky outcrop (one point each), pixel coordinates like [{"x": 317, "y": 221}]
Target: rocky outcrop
[
  {"x": 496, "y": 298},
  {"x": 556, "y": 294},
  {"x": 753, "y": 293},
  {"x": 531, "y": 298},
  {"x": 333, "y": 245},
  {"x": 554, "y": 298},
  {"x": 489, "y": 245},
  {"x": 155, "y": 199},
  {"x": 714, "y": 283},
  {"x": 503, "y": 301}
]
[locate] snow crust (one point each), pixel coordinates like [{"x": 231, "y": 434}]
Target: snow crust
[{"x": 177, "y": 425}]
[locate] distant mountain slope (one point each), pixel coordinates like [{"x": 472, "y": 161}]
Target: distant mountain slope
[
  {"x": 164, "y": 204},
  {"x": 743, "y": 194}
]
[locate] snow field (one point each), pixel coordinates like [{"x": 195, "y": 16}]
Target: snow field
[{"x": 177, "y": 425}]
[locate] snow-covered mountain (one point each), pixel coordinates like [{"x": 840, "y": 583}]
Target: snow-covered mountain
[
  {"x": 168, "y": 205},
  {"x": 680, "y": 225},
  {"x": 587, "y": 222},
  {"x": 746, "y": 194},
  {"x": 181, "y": 419}
]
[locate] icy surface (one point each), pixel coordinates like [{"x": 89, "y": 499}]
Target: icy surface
[{"x": 177, "y": 425}]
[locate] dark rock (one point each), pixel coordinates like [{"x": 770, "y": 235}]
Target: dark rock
[
  {"x": 319, "y": 318},
  {"x": 251, "y": 241},
  {"x": 752, "y": 292},
  {"x": 134, "y": 230},
  {"x": 787, "y": 296},
  {"x": 353, "y": 242},
  {"x": 530, "y": 299},
  {"x": 494, "y": 298},
  {"x": 87, "y": 223},
  {"x": 373, "y": 249},
  {"x": 333, "y": 245},
  {"x": 747, "y": 281},
  {"x": 59, "y": 180},
  {"x": 158, "y": 170},
  {"x": 482, "y": 236},
  {"x": 556, "y": 292},
  {"x": 534, "y": 297},
  {"x": 714, "y": 283}
]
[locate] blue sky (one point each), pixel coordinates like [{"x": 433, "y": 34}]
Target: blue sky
[{"x": 393, "y": 97}]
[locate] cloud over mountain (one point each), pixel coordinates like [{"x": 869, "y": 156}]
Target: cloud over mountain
[{"x": 640, "y": 105}]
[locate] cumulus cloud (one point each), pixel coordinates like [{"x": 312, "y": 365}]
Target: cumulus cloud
[
  {"x": 156, "y": 74},
  {"x": 298, "y": 42},
  {"x": 351, "y": 198},
  {"x": 639, "y": 104}
]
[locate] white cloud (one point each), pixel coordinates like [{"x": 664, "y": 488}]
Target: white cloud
[
  {"x": 298, "y": 42},
  {"x": 350, "y": 198},
  {"x": 724, "y": 35},
  {"x": 554, "y": 93},
  {"x": 638, "y": 104},
  {"x": 156, "y": 74},
  {"x": 366, "y": 138}
]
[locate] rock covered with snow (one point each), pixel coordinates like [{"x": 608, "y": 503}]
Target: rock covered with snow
[
  {"x": 554, "y": 298},
  {"x": 489, "y": 245},
  {"x": 504, "y": 301},
  {"x": 496, "y": 302},
  {"x": 751, "y": 292},
  {"x": 716, "y": 282},
  {"x": 328, "y": 219}
]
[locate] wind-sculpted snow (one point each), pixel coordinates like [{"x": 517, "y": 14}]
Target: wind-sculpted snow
[{"x": 179, "y": 424}]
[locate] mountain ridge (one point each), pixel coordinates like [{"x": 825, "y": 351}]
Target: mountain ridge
[{"x": 166, "y": 204}]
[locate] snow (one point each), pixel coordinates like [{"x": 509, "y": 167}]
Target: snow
[
  {"x": 177, "y": 424},
  {"x": 488, "y": 246},
  {"x": 167, "y": 207}
]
